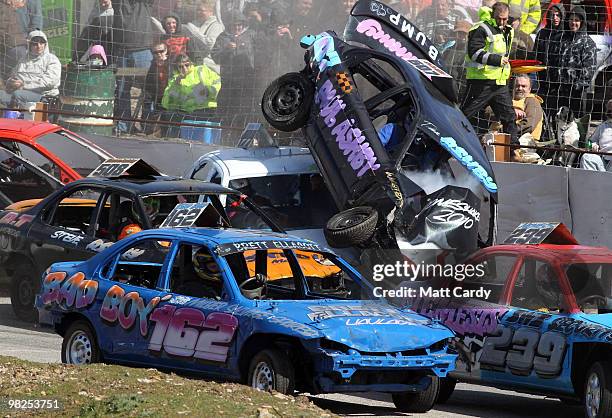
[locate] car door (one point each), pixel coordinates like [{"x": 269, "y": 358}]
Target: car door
[
  {"x": 194, "y": 329},
  {"x": 523, "y": 351},
  {"x": 128, "y": 295},
  {"x": 64, "y": 228}
]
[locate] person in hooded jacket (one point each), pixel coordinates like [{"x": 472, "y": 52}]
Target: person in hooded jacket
[
  {"x": 548, "y": 50},
  {"x": 577, "y": 61},
  {"x": 175, "y": 40},
  {"x": 37, "y": 75}
]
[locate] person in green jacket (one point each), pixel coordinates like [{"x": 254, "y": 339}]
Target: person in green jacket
[{"x": 191, "y": 88}]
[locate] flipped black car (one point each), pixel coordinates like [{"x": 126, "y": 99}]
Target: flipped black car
[
  {"x": 381, "y": 119},
  {"x": 89, "y": 215}
]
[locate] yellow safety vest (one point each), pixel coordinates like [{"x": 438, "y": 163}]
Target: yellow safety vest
[
  {"x": 494, "y": 44},
  {"x": 520, "y": 104},
  {"x": 198, "y": 90},
  {"x": 529, "y": 12}
]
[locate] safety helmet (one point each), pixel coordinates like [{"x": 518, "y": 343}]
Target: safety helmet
[
  {"x": 151, "y": 207},
  {"x": 546, "y": 285},
  {"x": 129, "y": 230},
  {"x": 205, "y": 265}
]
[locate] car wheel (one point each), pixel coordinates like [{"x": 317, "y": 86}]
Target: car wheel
[
  {"x": 351, "y": 227},
  {"x": 420, "y": 401},
  {"x": 597, "y": 394},
  {"x": 287, "y": 101},
  {"x": 271, "y": 370},
  {"x": 23, "y": 291},
  {"x": 79, "y": 346},
  {"x": 447, "y": 387}
]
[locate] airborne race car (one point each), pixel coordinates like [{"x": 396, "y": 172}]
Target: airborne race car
[
  {"x": 382, "y": 123},
  {"x": 89, "y": 215},
  {"x": 216, "y": 302}
]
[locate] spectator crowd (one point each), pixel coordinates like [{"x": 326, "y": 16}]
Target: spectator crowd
[{"x": 215, "y": 57}]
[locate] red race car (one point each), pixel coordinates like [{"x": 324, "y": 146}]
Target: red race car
[{"x": 61, "y": 153}]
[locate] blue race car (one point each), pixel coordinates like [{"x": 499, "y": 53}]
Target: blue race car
[{"x": 267, "y": 309}]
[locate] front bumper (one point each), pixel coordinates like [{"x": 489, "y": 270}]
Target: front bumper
[{"x": 356, "y": 372}]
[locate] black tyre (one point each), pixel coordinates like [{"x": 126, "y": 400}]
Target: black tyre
[
  {"x": 420, "y": 401},
  {"x": 79, "y": 346},
  {"x": 351, "y": 227},
  {"x": 447, "y": 387},
  {"x": 271, "y": 370},
  {"x": 287, "y": 101},
  {"x": 24, "y": 287},
  {"x": 597, "y": 394}
]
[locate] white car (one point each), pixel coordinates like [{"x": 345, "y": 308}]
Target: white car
[{"x": 284, "y": 181}]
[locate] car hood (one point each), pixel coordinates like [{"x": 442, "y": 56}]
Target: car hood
[{"x": 365, "y": 326}]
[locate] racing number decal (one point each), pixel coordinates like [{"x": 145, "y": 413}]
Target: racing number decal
[
  {"x": 531, "y": 233},
  {"x": 184, "y": 215},
  {"x": 524, "y": 350},
  {"x": 187, "y": 332},
  {"x": 110, "y": 170}
]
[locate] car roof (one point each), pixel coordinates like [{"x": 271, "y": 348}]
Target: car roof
[
  {"x": 263, "y": 161},
  {"x": 26, "y": 128},
  {"x": 155, "y": 184},
  {"x": 562, "y": 253},
  {"x": 226, "y": 236}
]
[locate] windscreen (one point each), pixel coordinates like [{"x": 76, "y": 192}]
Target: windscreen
[{"x": 82, "y": 159}]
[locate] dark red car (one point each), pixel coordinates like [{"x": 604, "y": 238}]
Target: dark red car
[{"x": 61, "y": 153}]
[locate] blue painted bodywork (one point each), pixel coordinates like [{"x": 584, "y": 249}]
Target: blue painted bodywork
[{"x": 343, "y": 345}]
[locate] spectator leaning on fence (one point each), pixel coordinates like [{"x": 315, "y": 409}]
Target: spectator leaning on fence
[
  {"x": 528, "y": 108},
  {"x": 548, "y": 51},
  {"x": 191, "y": 88},
  {"x": 601, "y": 140},
  {"x": 37, "y": 75},
  {"x": 578, "y": 57},
  {"x": 488, "y": 68}
]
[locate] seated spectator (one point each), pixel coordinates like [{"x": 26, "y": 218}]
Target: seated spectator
[
  {"x": 155, "y": 84},
  {"x": 436, "y": 21},
  {"x": 191, "y": 88},
  {"x": 95, "y": 57},
  {"x": 99, "y": 28},
  {"x": 175, "y": 40},
  {"x": 601, "y": 140},
  {"x": 235, "y": 53},
  {"x": 578, "y": 58},
  {"x": 548, "y": 51},
  {"x": 528, "y": 108},
  {"x": 37, "y": 75}
]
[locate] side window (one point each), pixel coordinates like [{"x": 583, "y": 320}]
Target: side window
[
  {"x": 75, "y": 211},
  {"x": 34, "y": 157},
  {"x": 537, "y": 287},
  {"x": 141, "y": 264},
  {"x": 495, "y": 271},
  {"x": 196, "y": 273},
  {"x": 208, "y": 172},
  {"x": 118, "y": 218},
  {"x": 19, "y": 181},
  {"x": 325, "y": 278}
]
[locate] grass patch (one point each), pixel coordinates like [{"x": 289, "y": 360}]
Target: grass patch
[{"x": 107, "y": 390}]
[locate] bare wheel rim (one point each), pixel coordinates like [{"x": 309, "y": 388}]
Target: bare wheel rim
[
  {"x": 263, "y": 377},
  {"x": 593, "y": 395},
  {"x": 25, "y": 292},
  {"x": 288, "y": 98},
  {"x": 79, "y": 349}
]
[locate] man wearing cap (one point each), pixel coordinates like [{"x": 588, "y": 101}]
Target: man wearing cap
[
  {"x": 488, "y": 67},
  {"x": 37, "y": 75}
]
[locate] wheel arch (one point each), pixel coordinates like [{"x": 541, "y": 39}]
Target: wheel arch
[
  {"x": 583, "y": 356},
  {"x": 287, "y": 344}
]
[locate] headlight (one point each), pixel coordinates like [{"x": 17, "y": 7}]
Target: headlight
[
  {"x": 440, "y": 345},
  {"x": 334, "y": 346}
]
